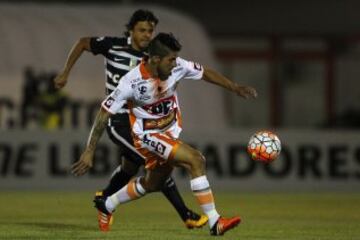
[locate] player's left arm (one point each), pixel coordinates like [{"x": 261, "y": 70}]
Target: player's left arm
[{"x": 217, "y": 78}]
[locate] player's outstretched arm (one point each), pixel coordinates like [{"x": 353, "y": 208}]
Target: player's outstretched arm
[
  {"x": 215, "y": 77},
  {"x": 83, "y": 44},
  {"x": 86, "y": 159}
]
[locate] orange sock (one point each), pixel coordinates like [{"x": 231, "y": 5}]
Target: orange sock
[
  {"x": 132, "y": 191},
  {"x": 202, "y": 191}
]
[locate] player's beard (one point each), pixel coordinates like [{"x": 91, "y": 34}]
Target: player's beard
[
  {"x": 144, "y": 44},
  {"x": 163, "y": 76},
  {"x": 141, "y": 44}
]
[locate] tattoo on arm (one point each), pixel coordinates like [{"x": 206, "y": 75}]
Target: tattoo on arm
[{"x": 97, "y": 129}]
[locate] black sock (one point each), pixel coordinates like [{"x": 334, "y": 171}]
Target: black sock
[
  {"x": 118, "y": 180},
  {"x": 172, "y": 194}
]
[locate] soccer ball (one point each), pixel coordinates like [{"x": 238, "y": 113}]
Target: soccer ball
[{"x": 264, "y": 146}]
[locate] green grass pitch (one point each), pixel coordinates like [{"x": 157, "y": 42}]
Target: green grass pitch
[{"x": 287, "y": 216}]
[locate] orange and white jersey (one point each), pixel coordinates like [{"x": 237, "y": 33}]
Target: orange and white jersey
[{"x": 153, "y": 103}]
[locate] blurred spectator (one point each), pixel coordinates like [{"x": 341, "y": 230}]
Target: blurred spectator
[
  {"x": 42, "y": 105},
  {"x": 29, "y": 107},
  {"x": 51, "y": 103}
]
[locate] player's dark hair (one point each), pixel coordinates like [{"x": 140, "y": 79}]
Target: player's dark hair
[
  {"x": 140, "y": 16},
  {"x": 163, "y": 44}
]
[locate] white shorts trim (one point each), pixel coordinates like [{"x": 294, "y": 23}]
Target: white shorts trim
[{"x": 126, "y": 143}]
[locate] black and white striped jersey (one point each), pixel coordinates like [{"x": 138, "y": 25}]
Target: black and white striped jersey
[{"x": 119, "y": 58}]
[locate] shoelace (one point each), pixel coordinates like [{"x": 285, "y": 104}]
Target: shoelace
[{"x": 104, "y": 218}]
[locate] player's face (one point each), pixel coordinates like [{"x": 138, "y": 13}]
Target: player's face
[
  {"x": 166, "y": 65},
  {"x": 141, "y": 35}
]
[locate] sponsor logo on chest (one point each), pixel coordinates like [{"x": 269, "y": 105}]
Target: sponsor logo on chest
[{"x": 162, "y": 107}]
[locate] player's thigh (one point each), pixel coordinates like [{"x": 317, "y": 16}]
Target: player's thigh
[
  {"x": 159, "y": 143},
  {"x": 130, "y": 167},
  {"x": 158, "y": 148},
  {"x": 172, "y": 150}
]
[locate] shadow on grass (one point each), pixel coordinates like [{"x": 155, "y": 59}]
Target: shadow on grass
[{"x": 55, "y": 225}]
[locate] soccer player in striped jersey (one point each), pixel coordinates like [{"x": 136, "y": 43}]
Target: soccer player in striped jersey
[
  {"x": 155, "y": 118},
  {"x": 121, "y": 55}
]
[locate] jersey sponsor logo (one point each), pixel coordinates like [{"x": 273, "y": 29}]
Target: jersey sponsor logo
[
  {"x": 116, "y": 93},
  {"x": 157, "y": 146},
  {"x": 197, "y": 66},
  {"x": 162, "y": 107},
  {"x": 109, "y": 101},
  {"x": 116, "y": 78},
  {"x": 145, "y": 97},
  {"x": 177, "y": 69},
  {"x": 119, "y": 59},
  {"x": 137, "y": 83},
  {"x": 99, "y": 39},
  {"x": 142, "y": 89},
  {"x": 159, "y": 123}
]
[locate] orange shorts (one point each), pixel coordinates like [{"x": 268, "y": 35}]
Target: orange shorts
[{"x": 157, "y": 148}]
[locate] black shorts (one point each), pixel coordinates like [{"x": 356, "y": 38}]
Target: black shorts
[{"x": 120, "y": 133}]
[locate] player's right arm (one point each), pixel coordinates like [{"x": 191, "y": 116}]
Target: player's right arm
[
  {"x": 83, "y": 44},
  {"x": 86, "y": 159},
  {"x": 111, "y": 105}
]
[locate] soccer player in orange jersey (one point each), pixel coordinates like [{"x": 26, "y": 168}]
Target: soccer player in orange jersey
[
  {"x": 122, "y": 54},
  {"x": 150, "y": 92}
]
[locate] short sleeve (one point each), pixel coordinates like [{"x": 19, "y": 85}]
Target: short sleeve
[
  {"x": 192, "y": 70},
  {"x": 118, "y": 98},
  {"x": 100, "y": 45}
]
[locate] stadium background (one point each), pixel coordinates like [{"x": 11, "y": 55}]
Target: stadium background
[{"x": 303, "y": 57}]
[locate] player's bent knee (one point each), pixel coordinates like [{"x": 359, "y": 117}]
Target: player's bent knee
[
  {"x": 150, "y": 186},
  {"x": 199, "y": 158},
  {"x": 198, "y": 162}
]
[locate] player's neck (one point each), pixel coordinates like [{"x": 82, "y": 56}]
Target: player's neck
[
  {"x": 135, "y": 46},
  {"x": 152, "y": 69}
]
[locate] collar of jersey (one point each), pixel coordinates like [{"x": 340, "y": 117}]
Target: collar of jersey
[{"x": 145, "y": 73}]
